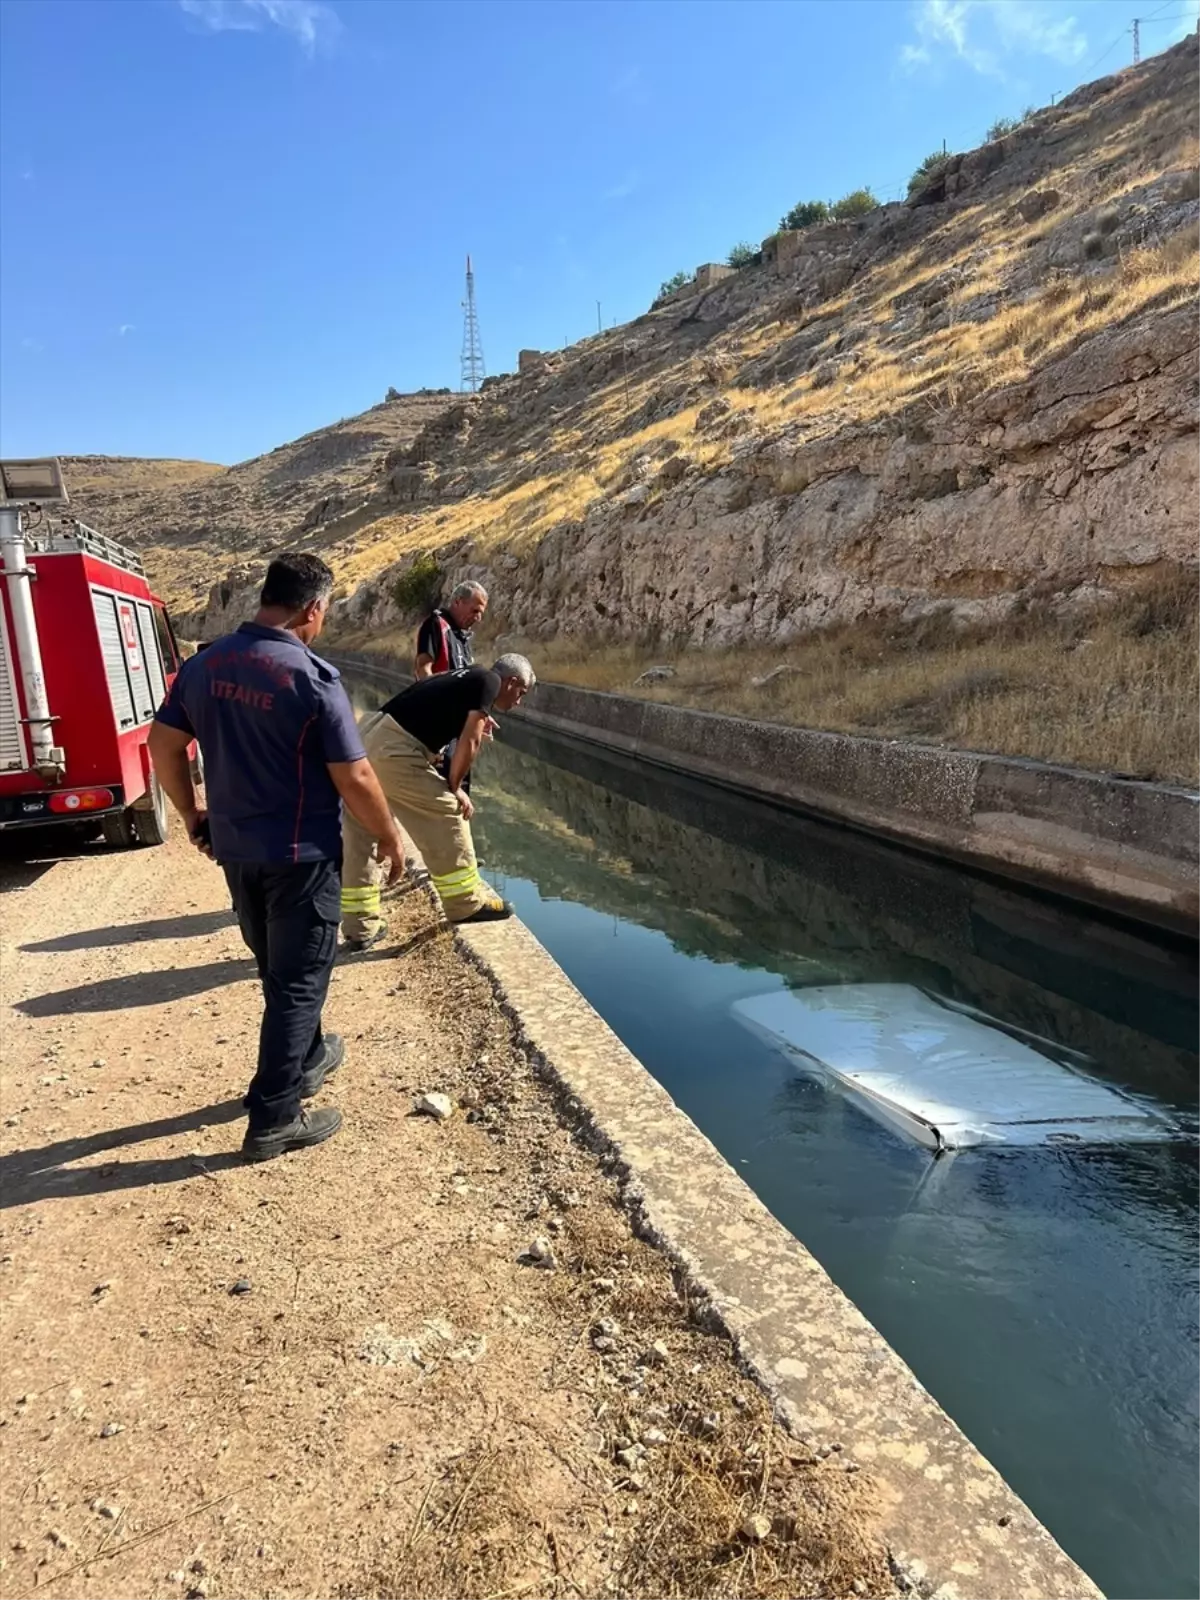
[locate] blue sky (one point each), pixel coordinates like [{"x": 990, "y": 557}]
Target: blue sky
[{"x": 225, "y": 222}]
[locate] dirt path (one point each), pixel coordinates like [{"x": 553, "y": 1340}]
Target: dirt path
[{"x": 330, "y": 1375}]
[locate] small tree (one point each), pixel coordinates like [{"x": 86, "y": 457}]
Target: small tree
[
  {"x": 418, "y": 588},
  {"x": 743, "y": 255},
  {"x": 928, "y": 170},
  {"x": 805, "y": 213},
  {"x": 855, "y": 204},
  {"x": 670, "y": 285}
]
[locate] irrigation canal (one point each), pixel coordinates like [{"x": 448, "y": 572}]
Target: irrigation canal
[{"x": 1046, "y": 1297}]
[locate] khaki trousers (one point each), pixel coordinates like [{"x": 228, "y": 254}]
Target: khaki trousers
[{"x": 429, "y": 813}]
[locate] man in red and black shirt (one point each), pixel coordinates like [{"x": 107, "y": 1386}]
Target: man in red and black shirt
[
  {"x": 444, "y": 645},
  {"x": 444, "y": 642}
]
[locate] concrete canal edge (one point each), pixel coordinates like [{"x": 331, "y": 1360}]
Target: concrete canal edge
[
  {"x": 1116, "y": 843},
  {"x": 953, "y": 1526}
]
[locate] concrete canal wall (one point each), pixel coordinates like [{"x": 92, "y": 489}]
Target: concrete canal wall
[{"x": 1117, "y": 843}]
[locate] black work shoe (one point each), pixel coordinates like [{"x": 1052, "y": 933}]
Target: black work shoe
[
  {"x": 355, "y": 947},
  {"x": 310, "y": 1127},
  {"x": 333, "y": 1053},
  {"x": 494, "y": 911}
]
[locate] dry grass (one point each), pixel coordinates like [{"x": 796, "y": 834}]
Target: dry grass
[
  {"x": 674, "y": 1525},
  {"x": 1115, "y": 689},
  {"x": 85, "y": 474}
]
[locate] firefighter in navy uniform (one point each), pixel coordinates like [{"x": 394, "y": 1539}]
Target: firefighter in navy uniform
[
  {"x": 444, "y": 644},
  {"x": 404, "y": 741},
  {"x": 282, "y": 753}
]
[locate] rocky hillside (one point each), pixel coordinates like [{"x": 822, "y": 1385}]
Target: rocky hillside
[
  {"x": 952, "y": 404},
  {"x": 191, "y": 518}
]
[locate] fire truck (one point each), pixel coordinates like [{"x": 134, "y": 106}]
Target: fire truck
[{"x": 86, "y": 655}]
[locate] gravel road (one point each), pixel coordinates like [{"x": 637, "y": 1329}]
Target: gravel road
[{"x": 340, "y": 1373}]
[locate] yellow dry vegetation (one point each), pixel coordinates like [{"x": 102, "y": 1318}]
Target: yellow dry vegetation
[
  {"x": 87, "y": 473},
  {"x": 1115, "y": 690}
]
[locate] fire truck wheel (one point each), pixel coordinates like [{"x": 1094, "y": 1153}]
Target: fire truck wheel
[
  {"x": 151, "y": 818},
  {"x": 119, "y": 830}
]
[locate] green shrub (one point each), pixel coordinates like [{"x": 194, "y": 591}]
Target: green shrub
[
  {"x": 855, "y": 204},
  {"x": 743, "y": 255},
  {"x": 669, "y": 285},
  {"x": 805, "y": 213},
  {"x": 418, "y": 589},
  {"x": 1003, "y": 125},
  {"x": 928, "y": 170}
]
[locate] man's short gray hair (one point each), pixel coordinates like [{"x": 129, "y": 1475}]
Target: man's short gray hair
[
  {"x": 514, "y": 666},
  {"x": 469, "y": 591}
]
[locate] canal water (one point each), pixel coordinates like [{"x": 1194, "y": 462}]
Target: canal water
[{"x": 1047, "y": 1298}]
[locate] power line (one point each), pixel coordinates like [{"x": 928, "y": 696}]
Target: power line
[{"x": 1104, "y": 54}]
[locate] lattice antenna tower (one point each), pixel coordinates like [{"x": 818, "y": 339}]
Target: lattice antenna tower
[{"x": 473, "y": 370}]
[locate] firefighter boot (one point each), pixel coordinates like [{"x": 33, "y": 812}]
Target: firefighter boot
[
  {"x": 493, "y": 910},
  {"x": 310, "y": 1127},
  {"x": 330, "y": 1058}
]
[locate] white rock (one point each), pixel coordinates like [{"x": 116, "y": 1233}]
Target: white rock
[
  {"x": 539, "y": 1253},
  {"x": 439, "y": 1106},
  {"x": 654, "y": 1436},
  {"x": 756, "y": 1528}
]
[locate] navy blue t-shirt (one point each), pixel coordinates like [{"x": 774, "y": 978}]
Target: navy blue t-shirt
[{"x": 268, "y": 715}]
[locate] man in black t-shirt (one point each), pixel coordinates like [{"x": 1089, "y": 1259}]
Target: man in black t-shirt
[{"x": 404, "y": 742}]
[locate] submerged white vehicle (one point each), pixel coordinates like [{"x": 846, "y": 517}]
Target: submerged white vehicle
[{"x": 942, "y": 1074}]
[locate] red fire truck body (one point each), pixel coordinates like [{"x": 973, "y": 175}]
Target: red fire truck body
[{"x": 107, "y": 656}]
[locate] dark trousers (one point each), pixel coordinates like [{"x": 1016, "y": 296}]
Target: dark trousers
[{"x": 289, "y": 917}]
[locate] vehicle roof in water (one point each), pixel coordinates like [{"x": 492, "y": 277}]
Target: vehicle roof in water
[{"x": 945, "y": 1076}]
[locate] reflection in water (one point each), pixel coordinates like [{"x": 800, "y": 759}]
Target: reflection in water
[
  {"x": 740, "y": 881},
  {"x": 1046, "y": 1297}
]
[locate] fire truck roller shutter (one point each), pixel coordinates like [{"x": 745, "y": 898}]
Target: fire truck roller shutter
[
  {"x": 12, "y": 735},
  {"x": 105, "y": 607},
  {"x": 150, "y": 654},
  {"x": 144, "y": 705}
]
